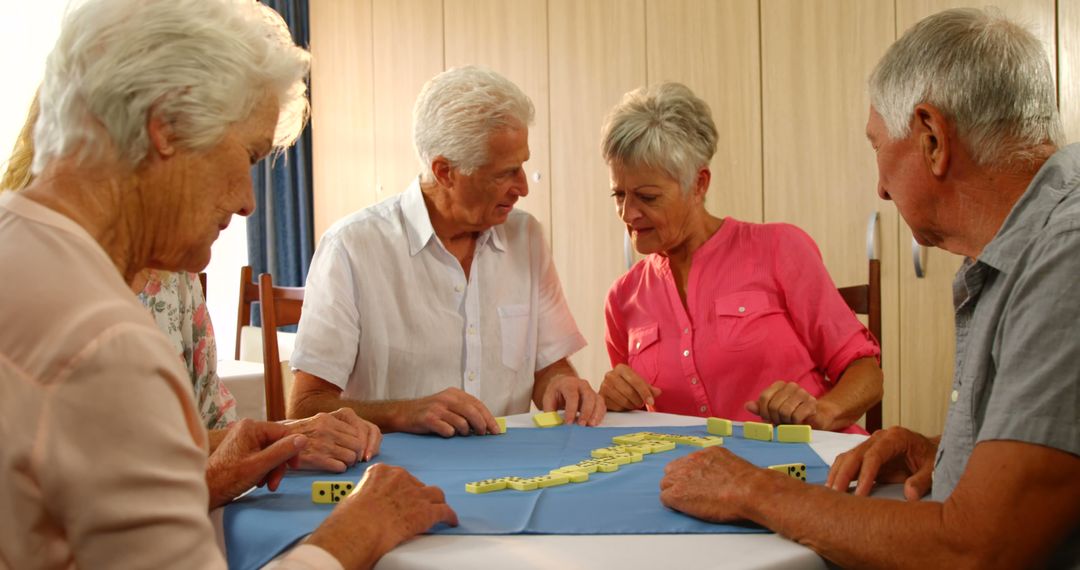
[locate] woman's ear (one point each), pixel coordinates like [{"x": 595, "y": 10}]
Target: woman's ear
[
  {"x": 160, "y": 131},
  {"x": 701, "y": 183}
]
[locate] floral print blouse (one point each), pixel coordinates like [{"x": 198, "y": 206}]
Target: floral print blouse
[{"x": 178, "y": 306}]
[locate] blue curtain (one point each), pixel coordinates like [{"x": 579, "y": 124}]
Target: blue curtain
[{"x": 280, "y": 232}]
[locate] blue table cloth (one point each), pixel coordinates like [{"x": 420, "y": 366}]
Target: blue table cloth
[{"x": 261, "y": 524}]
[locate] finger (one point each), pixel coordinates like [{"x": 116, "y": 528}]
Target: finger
[
  {"x": 871, "y": 464},
  {"x": 443, "y": 427},
  {"x": 571, "y": 398},
  {"x": 843, "y": 471},
  {"x": 629, "y": 393},
  {"x": 549, "y": 402},
  {"x": 805, "y": 410},
  {"x": 458, "y": 422},
  {"x": 639, "y": 385},
  {"x": 752, "y": 407},
  {"x": 443, "y": 513},
  {"x": 321, "y": 462},
  {"x": 273, "y": 479},
  {"x": 780, "y": 401},
  {"x": 586, "y": 404},
  {"x": 918, "y": 485},
  {"x": 374, "y": 442},
  {"x": 656, "y": 391},
  {"x": 598, "y": 413},
  {"x": 613, "y": 399},
  {"x": 349, "y": 416}
]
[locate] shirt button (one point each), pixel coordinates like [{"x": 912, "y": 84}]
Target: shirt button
[
  {"x": 472, "y": 376},
  {"x": 637, "y": 345},
  {"x": 458, "y": 288},
  {"x": 742, "y": 309},
  {"x": 703, "y": 408},
  {"x": 686, "y": 353},
  {"x": 693, "y": 380},
  {"x": 472, "y": 329},
  {"x": 955, "y": 395}
]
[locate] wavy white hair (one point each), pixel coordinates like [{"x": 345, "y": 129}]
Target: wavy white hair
[
  {"x": 988, "y": 74},
  {"x": 200, "y": 64},
  {"x": 664, "y": 126},
  {"x": 459, "y": 109}
]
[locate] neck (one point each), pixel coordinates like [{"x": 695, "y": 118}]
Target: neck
[
  {"x": 702, "y": 227},
  {"x": 104, "y": 201},
  {"x": 440, "y": 211},
  {"x": 981, "y": 206}
]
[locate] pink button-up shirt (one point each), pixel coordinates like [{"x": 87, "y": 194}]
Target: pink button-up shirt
[{"x": 760, "y": 307}]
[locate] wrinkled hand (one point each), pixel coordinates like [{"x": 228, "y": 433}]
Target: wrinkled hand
[
  {"x": 252, "y": 454},
  {"x": 624, "y": 389},
  {"x": 892, "y": 455},
  {"x": 787, "y": 403},
  {"x": 575, "y": 396},
  {"x": 450, "y": 412},
  {"x": 336, "y": 440},
  {"x": 388, "y": 507},
  {"x": 710, "y": 484}
]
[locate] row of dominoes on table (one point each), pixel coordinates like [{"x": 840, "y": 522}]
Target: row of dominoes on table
[{"x": 627, "y": 448}]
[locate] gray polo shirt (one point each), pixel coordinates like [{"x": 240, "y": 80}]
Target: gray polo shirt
[{"x": 1018, "y": 333}]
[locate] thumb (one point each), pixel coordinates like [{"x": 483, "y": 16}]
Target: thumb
[
  {"x": 279, "y": 452},
  {"x": 655, "y": 391},
  {"x": 918, "y": 485},
  {"x": 752, "y": 408}
]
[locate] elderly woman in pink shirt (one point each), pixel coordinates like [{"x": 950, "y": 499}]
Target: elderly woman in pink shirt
[{"x": 722, "y": 318}]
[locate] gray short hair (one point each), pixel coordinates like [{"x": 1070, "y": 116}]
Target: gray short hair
[
  {"x": 459, "y": 109},
  {"x": 986, "y": 73},
  {"x": 664, "y": 126},
  {"x": 201, "y": 64}
]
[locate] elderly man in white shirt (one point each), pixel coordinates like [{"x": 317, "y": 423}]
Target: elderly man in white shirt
[{"x": 439, "y": 308}]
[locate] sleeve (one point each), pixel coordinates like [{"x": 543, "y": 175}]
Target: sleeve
[
  {"x": 119, "y": 459},
  {"x": 557, "y": 335},
  {"x": 328, "y": 336},
  {"x": 305, "y": 557},
  {"x": 615, "y": 333},
  {"x": 828, "y": 328},
  {"x": 217, "y": 406},
  {"x": 1036, "y": 391}
]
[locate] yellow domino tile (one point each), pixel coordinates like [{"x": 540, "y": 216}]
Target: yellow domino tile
[
  {"x": 793, "y": 433},
  {"x": 601, "y": 465},
  {"x": 718, "y": 426},
  {"x": 629, "y": 438},
  {"x": 552, "y": 480},
  {"x": 520, "y": 483},
  {"x": 641, "y": 448},
  {"x": 793, "y": 470},
  {"x": 660, "y": 446},
  {"x": 547, "y": 419},
  {"x": 710, "y": 441},
  {"x": 576, "y": 476},
  {"x": 622, "y": 456},
  {"x": 758, "y": 431},
  {"x": 330, "y": 492},
  {"x": 577, "y": 467},
  {"x": 661, "y": 436},
  {"x": 485, "y": 486},
  {"x": 502, "y": 425}
]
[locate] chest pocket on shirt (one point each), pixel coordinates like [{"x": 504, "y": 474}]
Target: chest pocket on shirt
[
  {"x": 514, "y": 330},
  {"x": 643, "y": 350},
  {"x": 741, "y": 319}
]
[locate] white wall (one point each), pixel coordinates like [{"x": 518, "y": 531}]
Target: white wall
[{"x": 28, "y": 30}]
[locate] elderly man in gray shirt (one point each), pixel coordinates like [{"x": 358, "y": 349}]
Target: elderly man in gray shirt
[{"x": 964, "y": 122}]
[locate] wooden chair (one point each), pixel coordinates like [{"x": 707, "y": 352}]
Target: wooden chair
[
  {"x": 249, "y": 293},
  {"x": 866, "y": 300},
  {"x": 279, "y": 306},
  {"x": 202, "y": 281}
]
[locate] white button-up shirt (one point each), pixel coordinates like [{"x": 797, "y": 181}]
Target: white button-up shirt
[{"x": 389, "y": 313}]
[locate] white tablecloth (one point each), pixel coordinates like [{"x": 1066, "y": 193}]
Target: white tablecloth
[{"x": 245, "y": 381}]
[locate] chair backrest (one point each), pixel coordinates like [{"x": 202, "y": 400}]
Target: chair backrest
[
  {"x": 202, "y": 281},
  {"x": 866, "y": 300},
  {"x": 249, "y": 293},
  {"x": 278, "y": 306}
]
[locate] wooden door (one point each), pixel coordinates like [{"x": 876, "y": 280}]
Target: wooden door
[
  {"x": 596, "y": 53},
  {"x": 1068, "y": 42},
  {"x": 927, "y": 334},
  {"x": 407, "y": 38},
  {"x": 819, "y": 171},
  {"x": 510, "y": 38},
  {"x": 711, "y": 46},
  {"x": 343, "y": 136}
]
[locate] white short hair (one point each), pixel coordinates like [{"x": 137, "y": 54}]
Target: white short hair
[
  {"x": 664, "y": 126},
  {"x": 989, "y": 75},
  {"x": 200, "y": 64},
  {"x": 459, "y": 109}
]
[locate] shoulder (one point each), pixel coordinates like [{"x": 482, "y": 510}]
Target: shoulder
[
  {"x": 381, "y": 219},
  {"x": 635, "y": 278}
]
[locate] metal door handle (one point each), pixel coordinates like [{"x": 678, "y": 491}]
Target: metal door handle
[
  {"x": 871, "y": 236},
  {"x": 918, "y": 254}
]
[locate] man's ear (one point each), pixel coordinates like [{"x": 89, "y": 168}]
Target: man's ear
[
  {"x": 935, "y": 139},
  {"x": 442, "y": 170},
  {"x": 160, "y": 131}
]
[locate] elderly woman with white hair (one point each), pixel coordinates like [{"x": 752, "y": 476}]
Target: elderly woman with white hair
[
  {"x": 152, "y": 112},
  {"x": 722, "y": 318}
]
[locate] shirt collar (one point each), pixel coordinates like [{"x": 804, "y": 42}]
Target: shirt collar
[
  {"x": 1057, "y": 178},
  {"x": 418, "y": 226}
]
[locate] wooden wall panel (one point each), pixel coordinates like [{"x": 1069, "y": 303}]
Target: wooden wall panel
[
  {"x": 510, "y": 38},
  {"x": 343, "y": 136},
  {"x": 1068, "y": 42},
  {"x": 597, "y": 53},
  {"x": 711, "y": 46}
]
